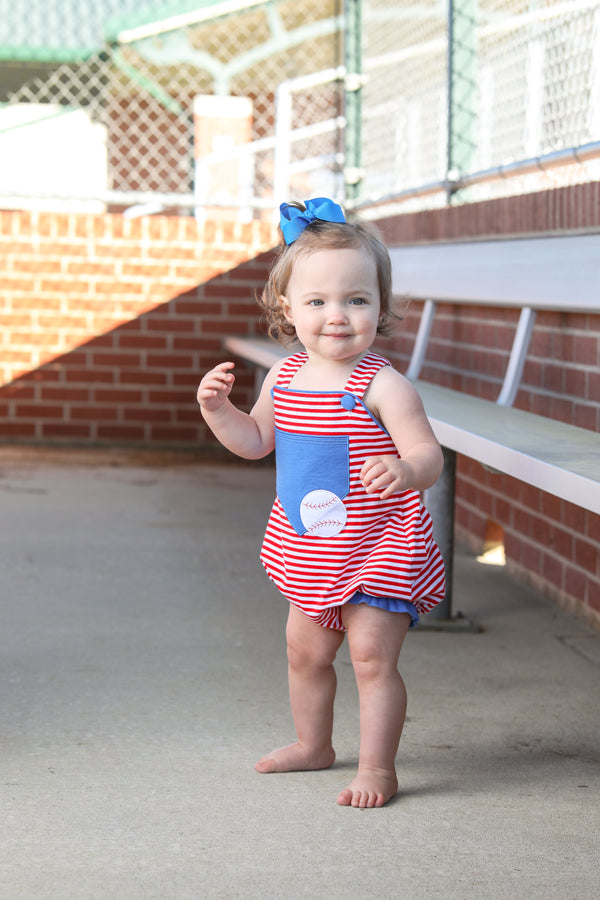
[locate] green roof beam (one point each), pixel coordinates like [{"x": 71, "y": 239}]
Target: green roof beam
[
  {"x": 173, "y": 16},
  {"x": 151, "y": 87}
]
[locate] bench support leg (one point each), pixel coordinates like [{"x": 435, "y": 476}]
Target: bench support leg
[{"x": 439, "y": 500}]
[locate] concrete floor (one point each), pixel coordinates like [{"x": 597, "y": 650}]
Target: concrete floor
[{"x": 143, "y": 670}]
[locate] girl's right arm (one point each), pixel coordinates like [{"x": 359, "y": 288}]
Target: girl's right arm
[{"x": 250, "y": 435}]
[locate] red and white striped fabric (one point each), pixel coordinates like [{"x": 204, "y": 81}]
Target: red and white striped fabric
[{"x": 385, "y": 548}]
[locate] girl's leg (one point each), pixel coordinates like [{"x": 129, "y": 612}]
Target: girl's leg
[
  {"x": 375, "y": 638},
  {"x": 312, "y": 681}
]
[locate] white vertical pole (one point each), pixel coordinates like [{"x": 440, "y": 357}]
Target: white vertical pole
[
  {"x": 534, "y": 97},
  {"x": 283, "y": 129},
  {"x": 594, "y": 102}
]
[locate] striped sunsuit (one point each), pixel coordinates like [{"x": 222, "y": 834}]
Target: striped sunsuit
[{"x": 326, "y": 538}]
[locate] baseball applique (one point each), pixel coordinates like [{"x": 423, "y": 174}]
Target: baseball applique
[{"x": 323, "y": 514}]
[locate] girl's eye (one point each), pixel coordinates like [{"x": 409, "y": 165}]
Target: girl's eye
[
  {"x": 358, "y": 301},
  {"x": 315, "y": 302}
]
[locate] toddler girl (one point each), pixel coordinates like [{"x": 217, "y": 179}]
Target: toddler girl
[{"x": 348, "y": 541}]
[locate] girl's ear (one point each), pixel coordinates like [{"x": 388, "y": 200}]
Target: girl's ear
[{"x": 287, "y": 309}]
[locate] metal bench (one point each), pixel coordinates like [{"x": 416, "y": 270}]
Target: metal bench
[{"x": 542, "y": 273}]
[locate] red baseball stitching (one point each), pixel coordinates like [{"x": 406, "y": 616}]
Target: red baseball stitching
[
  {"x": 324, "y": 522},
  {"x": 323, "y": 505}
]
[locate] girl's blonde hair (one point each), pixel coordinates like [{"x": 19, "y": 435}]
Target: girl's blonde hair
[{"x": 320, "y": 235}]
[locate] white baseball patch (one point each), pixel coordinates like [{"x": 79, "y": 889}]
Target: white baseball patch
[{"x": 323, "y": 514}]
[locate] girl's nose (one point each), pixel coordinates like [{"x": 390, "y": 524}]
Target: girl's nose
[{"x": 337, "y": 314}]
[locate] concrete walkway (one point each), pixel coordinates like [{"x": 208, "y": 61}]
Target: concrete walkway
[{"x": 143, "y": 669}]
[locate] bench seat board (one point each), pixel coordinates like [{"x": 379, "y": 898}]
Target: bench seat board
[
  {"x": 560, "y": 273},
  {"x": 260, "y": 351},
  {"x": 552, "y": 456}
]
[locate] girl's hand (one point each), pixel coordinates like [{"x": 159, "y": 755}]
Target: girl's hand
[
  {"x": 385, "y": 475},
  {"x": 215, "y": 387}
]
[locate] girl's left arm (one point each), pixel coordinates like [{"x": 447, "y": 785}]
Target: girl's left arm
[{"x": 394, "y": 401}]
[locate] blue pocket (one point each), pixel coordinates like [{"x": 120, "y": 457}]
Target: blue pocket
[{"x": 310, "y": 463}]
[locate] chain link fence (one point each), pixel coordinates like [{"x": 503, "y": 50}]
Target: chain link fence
[
  {"x": 479, "y": 99},
  {"x": 239, "y": 104}
]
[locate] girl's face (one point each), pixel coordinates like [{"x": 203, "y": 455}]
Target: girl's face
[{"x": 332, "y": 300}]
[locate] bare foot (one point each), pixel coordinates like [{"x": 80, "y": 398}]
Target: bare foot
[
  {"x": 295, "y": 758},
  {"x": 370, "y": 788}
]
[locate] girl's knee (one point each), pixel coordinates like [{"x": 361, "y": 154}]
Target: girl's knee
[
  {"x": 310, "y": 651},
  {"x": 375, "y": 639},
  {"x": 368, "y": 661},
  {"x": 302, "y": 656},
  {"x": 371, "y": 659}
]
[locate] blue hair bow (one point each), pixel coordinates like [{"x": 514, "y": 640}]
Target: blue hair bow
[{"x": 293, "y": 221}]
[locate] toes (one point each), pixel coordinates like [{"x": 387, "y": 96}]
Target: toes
[
  {"x": 266, "y": 765},
  {"x": 345, "y": 798},
  {"x": 295, "y": 758},
  {"x": 360, "y": 799},
  {"x": 364, "y": 798}
]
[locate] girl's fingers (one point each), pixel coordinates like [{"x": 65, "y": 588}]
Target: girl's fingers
[
  {"x": 218, "y": 380},
  {"x": 372, "y": 469},
  {"x": 219, "y": 377},
  {"x": 379, "y": 478}
]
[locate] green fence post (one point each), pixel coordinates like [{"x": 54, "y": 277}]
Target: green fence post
[{"x": 462, "y": 86}]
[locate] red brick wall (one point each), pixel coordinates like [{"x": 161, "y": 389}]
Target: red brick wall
[
  {"x": 551, "y": 543},
  {"x": 108, "y": 323}
]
